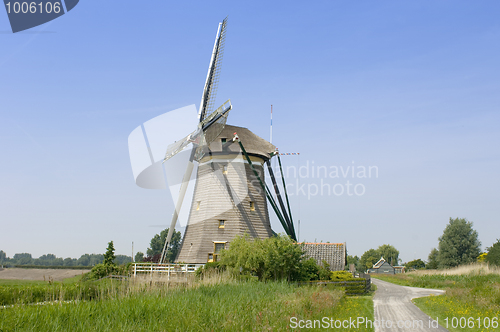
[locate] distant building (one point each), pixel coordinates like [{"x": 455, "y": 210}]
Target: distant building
[
  {"x": 382, "y": 267},
  {"x": 399, "y": 269},
  {"x": 334, "y": 254}
]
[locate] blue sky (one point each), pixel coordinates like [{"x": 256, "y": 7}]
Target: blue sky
[{"x": 408, "y": 87}]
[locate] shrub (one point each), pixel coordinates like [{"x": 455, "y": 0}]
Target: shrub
[
  {"x": 341, "y": 276},
  {"x": 309, "y": 270},
  {"x": 275, "y": 258},
  {"x": 493, "y": 256},
  {"x": 415, "y": 264}
]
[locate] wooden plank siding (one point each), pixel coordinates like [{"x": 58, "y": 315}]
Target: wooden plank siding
[{"x": 225, "y": 187}]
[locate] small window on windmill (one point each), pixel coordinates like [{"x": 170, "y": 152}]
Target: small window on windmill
[
  {"x": 198, "y": 203},
  {"x": 224, "y": 169},
  {"x": 223, "y": 140},
  {"x": 218, "y": 246},
  {"x": 252, "y": 206},
  {"x": 222, "y": 223}
]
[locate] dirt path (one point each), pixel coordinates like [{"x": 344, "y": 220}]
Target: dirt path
[
  {"x": 395, "y": 312},
  {"x": 39, "y": 274}
]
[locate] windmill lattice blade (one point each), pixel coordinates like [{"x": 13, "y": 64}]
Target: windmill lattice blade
[
  {"x": 212, "y": 81},
  {"x": 181, "y": 144},
  {"x": 213, "y": 126}
]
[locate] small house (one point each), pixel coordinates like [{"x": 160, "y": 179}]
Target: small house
[{"x": 382, "y": 267}]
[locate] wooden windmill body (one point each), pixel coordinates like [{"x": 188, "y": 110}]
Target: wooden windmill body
[{"x": 228, "y": 200}]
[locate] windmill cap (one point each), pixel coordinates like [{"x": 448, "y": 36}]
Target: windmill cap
[{"x": 253, "y": 144}]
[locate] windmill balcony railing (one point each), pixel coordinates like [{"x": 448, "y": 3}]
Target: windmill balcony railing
[{"x": 167, "y": 268}]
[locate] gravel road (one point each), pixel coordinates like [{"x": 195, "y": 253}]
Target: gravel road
[{"x": 394, "y": 310}]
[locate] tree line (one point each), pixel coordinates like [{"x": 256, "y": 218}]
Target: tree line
[
  {"x": 153, "y": 255},
  {"x": 52, "y": 260},
  {"x": 458, "y": 245}
]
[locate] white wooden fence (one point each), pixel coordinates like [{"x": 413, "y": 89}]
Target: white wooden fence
[{"x": 168, "y": 269}]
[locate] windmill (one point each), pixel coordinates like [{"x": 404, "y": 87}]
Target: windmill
[{"x": 230, "y": 195}]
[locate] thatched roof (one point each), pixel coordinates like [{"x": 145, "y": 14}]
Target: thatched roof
[{"x": 253, "y": 144}]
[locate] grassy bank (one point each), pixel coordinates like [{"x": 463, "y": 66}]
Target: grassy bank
[
  {"x": 472, "y": 298},
  {"x": 230, "y": 306}
]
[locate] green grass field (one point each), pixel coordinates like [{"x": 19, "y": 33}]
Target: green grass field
[
  {"x": 228, "y": 306},
  {"x": 471, "y": 302},
  {"x": 10, "y": 282}
]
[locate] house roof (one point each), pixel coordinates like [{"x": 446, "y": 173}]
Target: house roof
[{"x": 380, "y": 262}]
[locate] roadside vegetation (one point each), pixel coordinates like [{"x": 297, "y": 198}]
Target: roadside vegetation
[
  {"x": 472, "y": 295},
  {"x": 230, "y": 305},
  {"x": 262, "y": 295}
]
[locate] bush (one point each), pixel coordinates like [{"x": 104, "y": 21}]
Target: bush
[
  {"x": 493, "y": 256},
  {"x": 415, "y": 264},
  {"x": 275, "y": 258},
  {"x": 341, "y": 276},
  {"x": 309, "y": 270}
]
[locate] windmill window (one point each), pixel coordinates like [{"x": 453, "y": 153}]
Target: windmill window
[
  {"x": 252, "y": 206},
  {"x": 222, "y": 223},
  {"x": 223, "y": 140},
  {"x": 218, "y": 246},
  {"x": 198, "y": 205},
  {"x": 224, "y": 169}
]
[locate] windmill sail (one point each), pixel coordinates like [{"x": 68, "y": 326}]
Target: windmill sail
[
  {"x": 206, "y": 133},
  {"x": 212, "y": 81},
  {"x": 216, "y": 119}
]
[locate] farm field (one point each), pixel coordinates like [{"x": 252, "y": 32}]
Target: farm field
[
  {"x": 39, "y": 274},
  {"x": 133, "y": 306},
  {"x": 471, "y": 302}
]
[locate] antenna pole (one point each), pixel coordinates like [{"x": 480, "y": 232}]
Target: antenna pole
[{"x": 271, "y": 140}]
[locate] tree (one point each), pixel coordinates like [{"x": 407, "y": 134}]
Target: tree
[
  {"x": 493, "y": 256},
  {"x": 459, "y": 244},
  {"x": 109, "y": 256},
  {"x": 69, "y": 261},
  {"x": 390, "y": 254},
  {"x": 107, "y": 267},
  {"x": 3, "y": 257},
  {"x": 275, "y": 258},
  {"x": 369, "y": 258},
  {"x": 96, "y": 259},
  {"x": 158, "y": 241},
  {"x": 139, "y": 256},
  {"x": 23, "y": 259},
  {"x": 415, "y": 264},
  {"x": 122, "y": 259},
  {"x": 432, "y": 260},
  {"x": 353, "y": 260}
]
